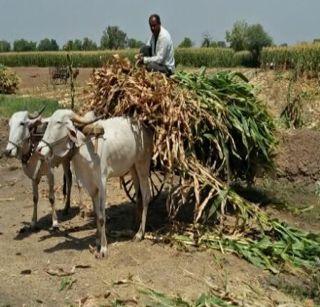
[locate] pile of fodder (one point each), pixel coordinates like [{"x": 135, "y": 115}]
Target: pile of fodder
[{"x": 208, "y": 129}]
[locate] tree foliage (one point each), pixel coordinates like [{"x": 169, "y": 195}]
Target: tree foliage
[
  {"x": 248, "y": 37},
  {"x": 5, "y": 46},
  {"x": 186, "y": 43},
  {"x": 237, "y": 37},
  {"x": 113, "y": 38},
  {"x": 134, "y": 43},
  {"x": 47, "y": 44},
  {"x": 24, "y": 45},
  {"x": 89, "y": 44},
  {"x": 73, "y": 45},
  {"x": 208, "y": 42},
  {"x": 68, "y": 46},
  {"x": 77, "y": 44},
  {"x": 221, "y": 44}
]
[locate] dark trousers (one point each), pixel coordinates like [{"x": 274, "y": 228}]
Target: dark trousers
[{"x": 146, "y": 52}]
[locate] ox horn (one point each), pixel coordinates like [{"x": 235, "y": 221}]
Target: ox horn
[
  {"x": 81, "y": 120},
  {"x": 36, "y": 114}
]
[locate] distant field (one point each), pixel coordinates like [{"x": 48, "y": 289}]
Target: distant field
[
  {"x": 12, "y": 104},
  {"x": 196, "y": 57}
]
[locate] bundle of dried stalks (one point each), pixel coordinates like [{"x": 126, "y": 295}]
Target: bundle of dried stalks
[
  {"x": 208, "y": 129},
  {"x": 191, "y": 135}
]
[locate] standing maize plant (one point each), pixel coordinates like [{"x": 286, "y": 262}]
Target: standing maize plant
[
  {"x": 194, "y": 57},
  {"x": 305, "y": 57},
  {"x": 9, "y": 81}
]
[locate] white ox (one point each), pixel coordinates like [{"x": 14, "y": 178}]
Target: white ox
[
  {"x": 22, "y": 139},
  {"x": 125, "y": 145}
]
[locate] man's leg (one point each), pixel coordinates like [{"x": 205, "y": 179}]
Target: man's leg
[{"x": 158, "y": 67}]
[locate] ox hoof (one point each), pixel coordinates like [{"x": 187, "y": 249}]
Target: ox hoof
[
  {"x": 138, "y": 237},
  {"x": 102, "y": 253},
  {"x": 55, "y": 225}
]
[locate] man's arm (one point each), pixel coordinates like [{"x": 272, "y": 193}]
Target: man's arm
[{"x": 160, "y": 56}]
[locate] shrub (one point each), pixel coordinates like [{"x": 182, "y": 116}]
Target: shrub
[{"x": 9, "y": 81}]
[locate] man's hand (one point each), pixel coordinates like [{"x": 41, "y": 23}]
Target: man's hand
[{"x": 139, "y": 59}]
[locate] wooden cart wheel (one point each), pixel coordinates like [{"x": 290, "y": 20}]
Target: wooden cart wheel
[{"x": 156, "y": 180}]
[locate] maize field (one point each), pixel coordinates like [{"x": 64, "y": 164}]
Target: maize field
[
  {"x": 195, "y": 57},
  {"x": 303, "y": 58}
]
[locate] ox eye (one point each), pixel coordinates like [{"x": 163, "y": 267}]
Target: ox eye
[{"x": 22, "y": 123}]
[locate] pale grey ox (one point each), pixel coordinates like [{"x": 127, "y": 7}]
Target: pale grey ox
[
  {"x": 24, "y": 131},
  {"x": 126, "y": 145}
]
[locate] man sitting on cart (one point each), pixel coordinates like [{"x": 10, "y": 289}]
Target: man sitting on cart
[{"x": 158, "y": 54}]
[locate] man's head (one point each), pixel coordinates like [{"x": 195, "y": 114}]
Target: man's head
[{"x": 155, "y": 24}]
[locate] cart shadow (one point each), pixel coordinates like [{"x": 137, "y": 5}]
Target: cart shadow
[{"x": 120, "y": 221}]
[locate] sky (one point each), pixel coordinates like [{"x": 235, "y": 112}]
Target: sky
[{"x": 287, "y": 21}]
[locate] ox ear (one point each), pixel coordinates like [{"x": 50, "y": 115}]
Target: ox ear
[{"x": 75, "y": 136}]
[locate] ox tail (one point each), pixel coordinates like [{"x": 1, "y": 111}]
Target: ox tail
[{"x": 64, "y": 189}]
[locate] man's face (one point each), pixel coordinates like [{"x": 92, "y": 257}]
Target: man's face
[{"x": 154, "y": 26}]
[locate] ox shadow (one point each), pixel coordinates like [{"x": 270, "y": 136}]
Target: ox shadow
[
  {"x": 119, "y": 226},
  {"x": 45, "y": 223}
]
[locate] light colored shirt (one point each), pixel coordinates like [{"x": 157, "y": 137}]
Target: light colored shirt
[{"x": 162, "y": 51}]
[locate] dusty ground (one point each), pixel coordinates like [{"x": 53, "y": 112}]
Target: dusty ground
[
  {"x": 26, "y": 257},
  {"x": 158, "y": 266},
  {"x": 299, "y": 155}
]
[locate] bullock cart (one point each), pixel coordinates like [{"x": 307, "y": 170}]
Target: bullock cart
[{"x": 156, "y": 181}]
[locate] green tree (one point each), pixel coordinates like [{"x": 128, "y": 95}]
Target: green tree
[
  {"x": 213, "y": 44},
  {"x": 73, "y": 45},
  {"x": 5, "y": 46},
  {"x": 206, "y": 41},
  {"x": 248, "y": 37},
  {"x": 88, "y": 44},
  {"x": 238, "y": 36},
  {"x": 68, "y": 46},
  {"x": 134, "y": 43},
  {"x": 257, "y": 39},
  {"x": 221, "y": 44},
  {"x": 24, "y": 45},
  {"x": 113, "y": 38},
  {"x": 47, "y": 44},
  {"x": 77, "y": 45},
  {"x": 186, "y": 43}
]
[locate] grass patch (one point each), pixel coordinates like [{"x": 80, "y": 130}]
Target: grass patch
[
  {"x": 209, "y": 299},
  {"x": 12, "y": 104}
]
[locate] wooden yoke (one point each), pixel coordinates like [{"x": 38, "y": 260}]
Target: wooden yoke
[{"x": 93, "y": 130}]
